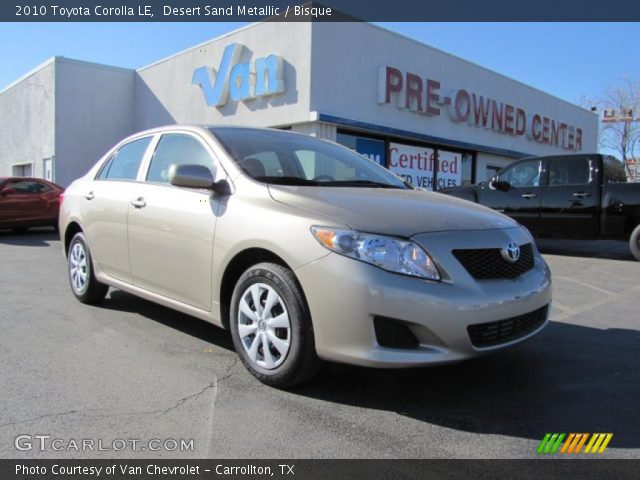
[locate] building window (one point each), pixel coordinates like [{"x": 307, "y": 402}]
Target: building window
[
  {"x": 372, "y": 148},
  {"x": 416, "y": 165},
  {"x": 492, "y": 171}
]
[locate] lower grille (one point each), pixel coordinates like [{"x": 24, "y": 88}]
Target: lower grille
[
  {"x": 488, "y": 263},
  {"x": 394, "y": 334},
  {"x": 504, "y": 331}
]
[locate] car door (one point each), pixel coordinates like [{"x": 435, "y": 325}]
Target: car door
[
  {"x": 518, "y": 193},
  {"x": 570, "y": 198},
  {"x": 171, "y": 229},
  {"x": 22, "y": 202},
  {"x": 106, "y": 201}
]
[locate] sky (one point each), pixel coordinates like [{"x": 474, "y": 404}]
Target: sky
[{"x": 568, "y": 60}]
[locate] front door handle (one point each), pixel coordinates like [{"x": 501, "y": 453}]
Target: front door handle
[
  {"x": 139, "y": 202},
  {"x": 529, "y": 195},
  {"x": 581, "y": 194},
  {"x": 89, "y": 196}
]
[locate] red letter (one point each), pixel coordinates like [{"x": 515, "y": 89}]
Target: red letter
[
  {"x": 392, "y": 78},
  {"x": 521, "y": 121},
  {"x": 496, "y": 120},
  {"x": 413, "y": 92},
  {"x": 432, "y": 97},
  {"x": 578, "y": 139},
  {"x": 508, "y": 119}
]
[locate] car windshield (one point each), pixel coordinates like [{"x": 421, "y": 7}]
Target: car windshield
[{"x": 285, "y": 158}]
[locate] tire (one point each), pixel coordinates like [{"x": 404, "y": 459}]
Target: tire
[
  {"x": 83, "y": 282},
  {"x": 634, "y": 242},
  {"x": 285, "y": 329}
]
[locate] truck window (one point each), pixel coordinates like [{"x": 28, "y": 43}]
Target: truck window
[
  {"x": 570, "y": 171},
  {"x": 614, "y": 171}
]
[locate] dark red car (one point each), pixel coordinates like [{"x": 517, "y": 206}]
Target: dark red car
[{"x": 28, "y": 202}]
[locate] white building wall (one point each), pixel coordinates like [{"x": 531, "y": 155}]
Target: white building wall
[
  {"x": 94, "y": 110},
  {"x": 27, "y": 112}
]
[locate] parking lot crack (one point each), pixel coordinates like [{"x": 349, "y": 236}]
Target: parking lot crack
[{"x": 40, "y": 417}]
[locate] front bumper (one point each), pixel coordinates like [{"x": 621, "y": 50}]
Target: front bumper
[{"x": 345, "y": 295}]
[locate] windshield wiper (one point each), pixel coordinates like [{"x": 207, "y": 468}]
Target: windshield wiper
[
  {"x": 287, "y": 181},
  {"x": 361, "y": 183}
]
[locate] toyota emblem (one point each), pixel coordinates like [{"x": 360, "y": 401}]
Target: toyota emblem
[{"x": 511, "y": 253}]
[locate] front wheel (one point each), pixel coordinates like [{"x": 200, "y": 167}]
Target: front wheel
[
  {"x": 634, "y": 242},
  {"x": 271, "y": 326},
  {"x": 83, "y": 282}
]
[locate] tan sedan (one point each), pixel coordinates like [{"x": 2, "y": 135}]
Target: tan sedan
[{"x": 304, "y": 249}]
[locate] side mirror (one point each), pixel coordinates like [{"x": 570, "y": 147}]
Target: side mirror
[
  {"x": 190, "y": 176},
  {"x": 499, "y": 185},
  {"x": 7, "y": 191},
  {"x": 221, "y": 188}
]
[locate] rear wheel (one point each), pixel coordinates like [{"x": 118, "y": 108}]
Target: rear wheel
[
  {"x": 83, "y": 282},
  {"x": 634, "y": 242},
  {"x": 271, "y": 326}
]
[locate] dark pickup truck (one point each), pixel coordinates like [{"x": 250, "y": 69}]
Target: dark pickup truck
[{"x": 569, "y": 196}]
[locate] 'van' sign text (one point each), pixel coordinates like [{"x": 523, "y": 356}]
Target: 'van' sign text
[{"x": 240, "y": 81}]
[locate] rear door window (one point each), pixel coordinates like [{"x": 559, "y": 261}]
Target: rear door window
[
  {"x": 125, "y": 162},
  {"x": 569, "y": 171},
  {"x": 614, "y": 171}
]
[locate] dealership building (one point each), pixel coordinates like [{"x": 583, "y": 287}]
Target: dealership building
[{"x": 431, "y": 117}]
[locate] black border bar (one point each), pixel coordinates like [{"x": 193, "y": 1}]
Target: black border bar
[
  {"x": 325, "y": 10},
  {"x": 583, "y": 468}
]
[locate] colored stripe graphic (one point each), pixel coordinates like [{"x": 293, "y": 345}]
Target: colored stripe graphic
[
  {"x": 574, "y": 443},
  {"x": 551, "y": 442},
  {"x": 598, "y": 442}
]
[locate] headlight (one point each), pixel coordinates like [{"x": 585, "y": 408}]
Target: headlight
[{"x": 388, "y": 253}]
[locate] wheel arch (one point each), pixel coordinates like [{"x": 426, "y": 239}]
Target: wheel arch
[
  {"x": 69, "y": 233},
  {"x": 237, "y": 266}
]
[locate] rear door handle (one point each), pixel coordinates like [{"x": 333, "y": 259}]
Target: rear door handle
[
  {"x": 89, "y": 196},
  {"x": 581, "y": 194},
  {"x": 529, "y": 195},
  {"x": 139, "y": 202}
]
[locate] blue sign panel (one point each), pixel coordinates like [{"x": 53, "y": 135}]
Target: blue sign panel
[{"x": 373, "y": 149}]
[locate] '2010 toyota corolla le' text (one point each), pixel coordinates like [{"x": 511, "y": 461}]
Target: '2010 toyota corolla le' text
[{"x": 302, "y": 248}]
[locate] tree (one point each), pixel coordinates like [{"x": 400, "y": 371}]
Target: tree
[{"x": 619, "y": 107}]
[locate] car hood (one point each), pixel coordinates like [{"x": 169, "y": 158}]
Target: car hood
[{"x": 391, "y": 211}]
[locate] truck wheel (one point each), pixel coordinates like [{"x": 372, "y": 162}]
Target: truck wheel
[
  {"x": 83, "y": 282},
  {"x": 634, "y": 242},
  {"x": 271, "y": 326}
]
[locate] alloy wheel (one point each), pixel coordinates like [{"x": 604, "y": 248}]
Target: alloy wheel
[
  {"x": 264, "y": 327},
  {"x": 78, "y": 268}
]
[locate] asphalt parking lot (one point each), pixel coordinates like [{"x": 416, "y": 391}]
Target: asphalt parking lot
[{"x": 132, "y": 370}]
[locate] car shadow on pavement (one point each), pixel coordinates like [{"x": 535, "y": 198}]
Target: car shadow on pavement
[
  {"x": 569, "y": 378},
  {"x": 608, "y": 249},
  {"x": 125, "y": 302},
  {"x": 29, "y": 238}
]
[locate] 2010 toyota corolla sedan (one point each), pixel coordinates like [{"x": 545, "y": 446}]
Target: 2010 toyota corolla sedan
[{"x": 302, "y": 248}]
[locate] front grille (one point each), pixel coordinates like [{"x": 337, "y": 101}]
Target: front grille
[
  {"x": 503, "y": 331},
  {"x": 488, "y": 263},
  {"x": 394, "y": 334}
]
